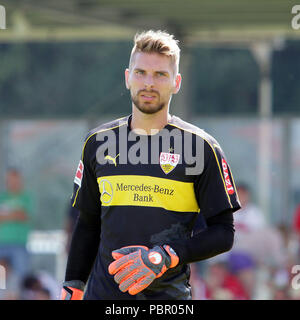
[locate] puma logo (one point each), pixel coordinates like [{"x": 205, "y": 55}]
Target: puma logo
[{"x": 112, "y": 159}]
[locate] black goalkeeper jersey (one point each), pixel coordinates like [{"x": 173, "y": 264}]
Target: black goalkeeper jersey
[{"x": 149, "y": 190}]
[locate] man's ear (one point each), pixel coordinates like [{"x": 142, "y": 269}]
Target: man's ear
[
  {"x": 177, "y": 83},
  {"x": 126, "y": 78}
]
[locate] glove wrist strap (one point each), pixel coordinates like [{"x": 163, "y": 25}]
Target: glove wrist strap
[
  {"x": 173, "y": 255},
  {"x": 77, "y": 284},
  {"x": 72, "y": 290}
]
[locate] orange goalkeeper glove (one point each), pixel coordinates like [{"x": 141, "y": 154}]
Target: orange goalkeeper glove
[
  {"x": 136, "y": 267},
  {"x": 72, "y": 290}
]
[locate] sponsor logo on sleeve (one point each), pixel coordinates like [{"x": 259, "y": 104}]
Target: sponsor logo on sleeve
[
  {"x": 228, "y": 183},
  {"x": 79, "y": 174}
]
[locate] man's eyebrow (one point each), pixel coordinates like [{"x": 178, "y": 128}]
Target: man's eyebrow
[
  {"x": 138, "y": 69},
  {"x": 157, "y": 71}
]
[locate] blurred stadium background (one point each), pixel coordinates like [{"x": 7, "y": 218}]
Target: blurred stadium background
[{"x": 61, "y": 74}]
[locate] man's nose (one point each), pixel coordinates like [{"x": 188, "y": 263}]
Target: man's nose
[{"x": 149, "y": 83}]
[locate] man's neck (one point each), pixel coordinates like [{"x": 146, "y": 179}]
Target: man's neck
[{"x": 149, "y": 123}]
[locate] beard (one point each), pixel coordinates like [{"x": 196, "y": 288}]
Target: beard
[{"x": 147, "y": 107}]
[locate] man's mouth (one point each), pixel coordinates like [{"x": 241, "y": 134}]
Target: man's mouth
[{"x": 148, "y": 96}]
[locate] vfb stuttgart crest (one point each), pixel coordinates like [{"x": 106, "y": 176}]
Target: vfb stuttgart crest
[{"x": 168, "y": 161}]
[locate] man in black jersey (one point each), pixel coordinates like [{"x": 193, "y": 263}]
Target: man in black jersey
[{"x": 143, "y": 185}]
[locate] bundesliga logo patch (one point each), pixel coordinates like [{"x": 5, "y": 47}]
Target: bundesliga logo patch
[
  {"x": 79, "y": 174},
  {"x": 168, "y": 161}
]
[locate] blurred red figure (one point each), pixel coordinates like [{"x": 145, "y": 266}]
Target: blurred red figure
[
  {"x": 296, "y": 223},
  {"x": 242, "y": 265},
  {"x": 296, "y": 227},
  {"x": 197, "y": 283},
  {"x": 223, "y": 285}
]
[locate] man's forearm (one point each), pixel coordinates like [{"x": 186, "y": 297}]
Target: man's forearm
[
  {"x": 16, "y": 215},
  {"x": 217, "y": 238},
  {"x": 83, "y": 249}
]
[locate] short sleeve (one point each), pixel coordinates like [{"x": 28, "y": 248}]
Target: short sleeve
[
  {"x": 86, "y": 195},
  {"x": 214, "y": 187}
]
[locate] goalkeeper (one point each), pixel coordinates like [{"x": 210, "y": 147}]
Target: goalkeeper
[{"x": 142, "y": 222}]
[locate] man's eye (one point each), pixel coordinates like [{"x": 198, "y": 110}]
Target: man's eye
[
  {"x": 161, "y": 74},
  {"x": 139, "y": 72}
]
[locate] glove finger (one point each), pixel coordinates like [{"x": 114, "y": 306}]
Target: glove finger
[
  {"x": 127, "y": 282},
  {"x": 137, "y": 266},
  {"x": 126, "y": 250},
  {"x": 123, "y": 256},
  {"x": 125, "y": 272},
  {"x": 141, "y": 284},
  {"x": 117, "y": 265},
  {"x": 134, "y": 277},
  {"x": 116, "y": 255}
]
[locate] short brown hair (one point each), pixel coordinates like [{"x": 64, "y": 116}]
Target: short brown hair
[{"x": 157, "y": 41}]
